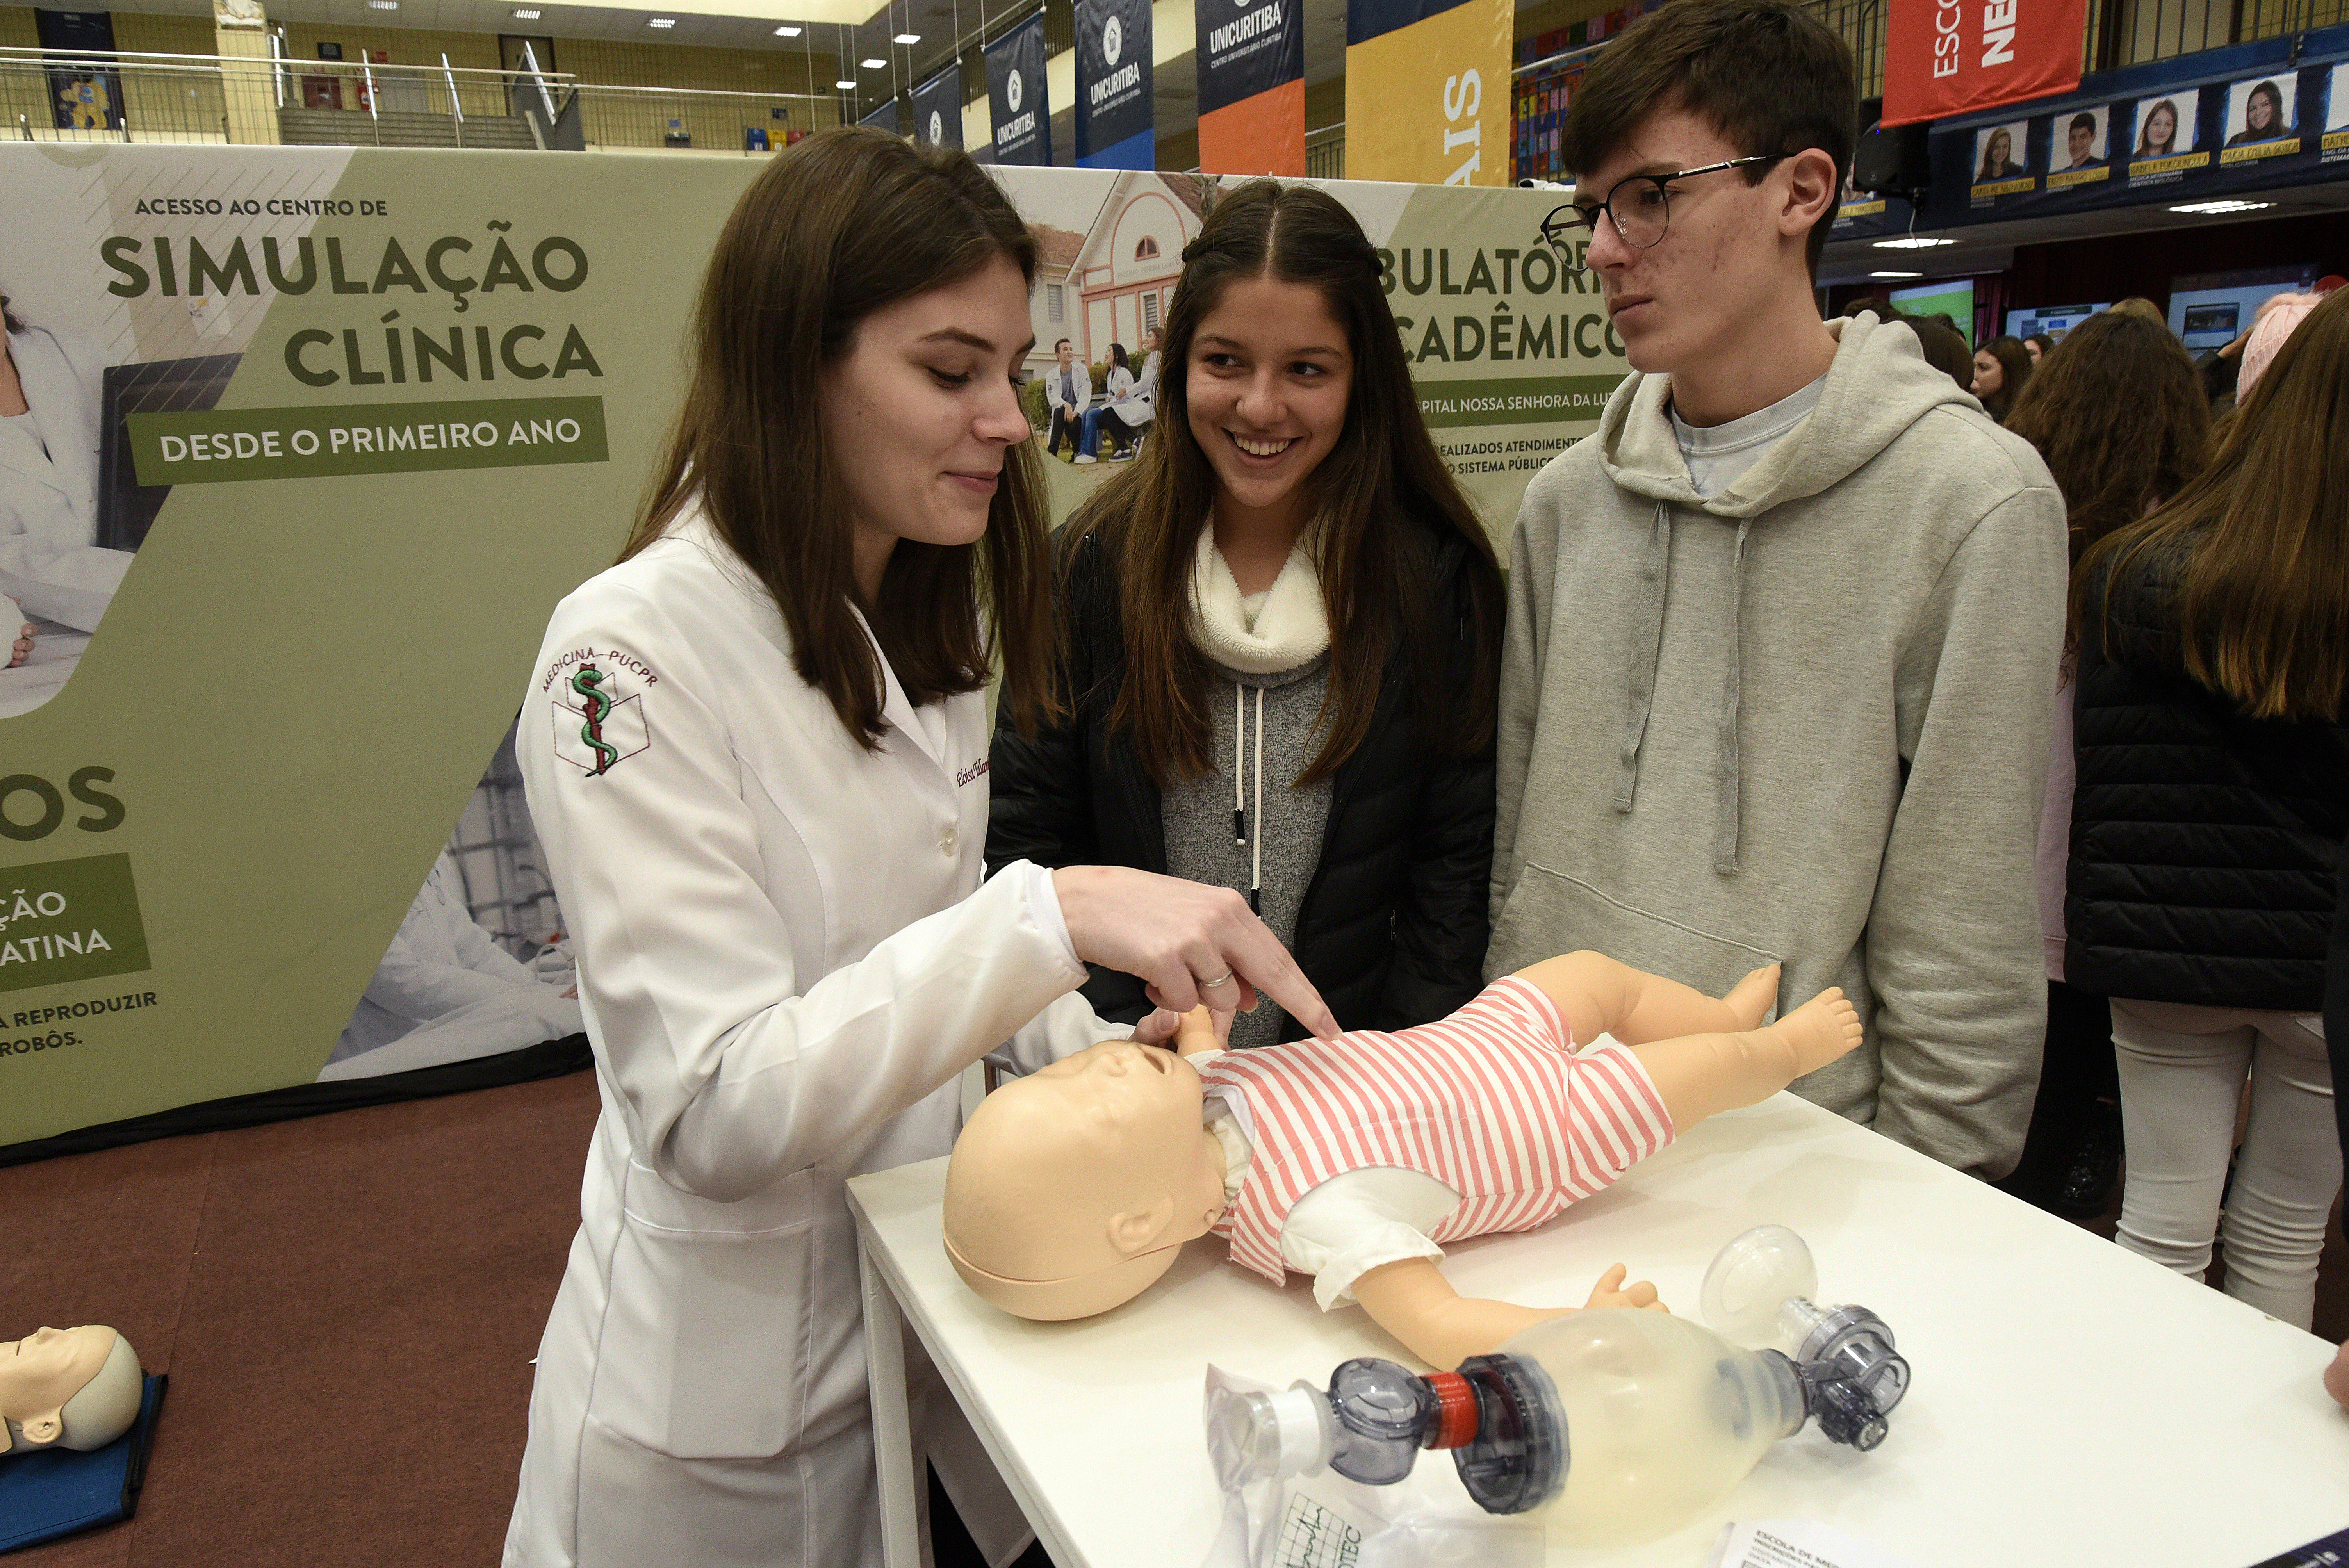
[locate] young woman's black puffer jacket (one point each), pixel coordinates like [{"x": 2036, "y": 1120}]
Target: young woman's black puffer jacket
[
  {"x": 1394, "y": 923},
  {"x": 2203, "y": 843}
]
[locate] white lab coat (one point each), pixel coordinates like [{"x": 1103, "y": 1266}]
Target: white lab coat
[
  {"x": 786, "y": 958},
  {"x": 49, "y": 556}
]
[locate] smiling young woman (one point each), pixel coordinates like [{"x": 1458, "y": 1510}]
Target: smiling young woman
[{"x": 1279, "y": 637}]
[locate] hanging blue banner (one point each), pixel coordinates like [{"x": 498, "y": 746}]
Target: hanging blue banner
[
  {"x": 1115, "y": 124},
  {"x": 938, "y": 108},
  {"x": 1015, "y": 95},
  {"x": 2222, "y": 123},
  {"x": 885, "y": 118}
]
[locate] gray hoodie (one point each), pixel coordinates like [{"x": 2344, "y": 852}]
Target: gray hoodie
[{"x": 1805, "y": 721}]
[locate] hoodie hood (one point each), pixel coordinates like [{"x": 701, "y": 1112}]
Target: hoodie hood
[{"x": 1878, "y": 385}]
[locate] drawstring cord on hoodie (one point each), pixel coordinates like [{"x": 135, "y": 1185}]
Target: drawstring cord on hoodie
[
  {"x": 1240, "y": 834},
  {"x": 1641, "y": 696}
]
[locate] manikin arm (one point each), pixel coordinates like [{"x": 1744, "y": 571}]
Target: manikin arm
[{"x": 1413, "y": 1301}]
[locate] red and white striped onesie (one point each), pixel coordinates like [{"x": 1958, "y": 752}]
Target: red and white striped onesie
[{"x": 1492, "y": 1101}]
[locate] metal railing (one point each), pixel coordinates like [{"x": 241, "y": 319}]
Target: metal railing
[
  {"x": 1325, "y": 153},
  {"x": 2133, "y": 32},
  {"x": 680, "y": 119},
  {"x": 126, "y": 101}
]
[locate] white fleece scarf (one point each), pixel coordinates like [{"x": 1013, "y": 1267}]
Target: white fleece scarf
[{"x": 1290, "y": 628}]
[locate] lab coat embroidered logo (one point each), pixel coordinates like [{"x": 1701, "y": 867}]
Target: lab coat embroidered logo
[{"x": 592, "y": 730}]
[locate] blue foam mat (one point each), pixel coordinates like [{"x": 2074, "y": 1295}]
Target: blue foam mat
[{"x": 56, "y": 1492}]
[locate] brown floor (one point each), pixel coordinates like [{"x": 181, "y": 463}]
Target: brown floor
[{"x": 347, "y": 1306}]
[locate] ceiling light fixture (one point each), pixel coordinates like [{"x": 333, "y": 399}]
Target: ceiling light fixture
[
  {"x": 907, "y": 38},
  {"x": 2224, "y": 206},
  {"x": 662, "y": 22},
  {"x": 1912, "y": 242},
  {"x": 787, "y": 31},
  {"x": 527, "y": 16},
  {"x": 383, "y": 4},
  {"x": 845, "y": 87},
  {"x": 1896, "y": 275},
  {"x": 874, "y": 65}
]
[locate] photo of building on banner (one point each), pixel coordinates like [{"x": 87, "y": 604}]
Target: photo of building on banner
[
  {"x": 1115, "y": 127},
  {"x": 1017, "y": 106},
  {"x": 1251, "y": 65},
  {"x": 937, "y": 109},
  {"x": 1942, "y": 58},
  {"x": 1427, "y": 90}
]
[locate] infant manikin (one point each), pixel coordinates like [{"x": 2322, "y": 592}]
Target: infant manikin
[
  {"x": 1071, "y": 1191},
  {"x": 66, "y": 1389}
]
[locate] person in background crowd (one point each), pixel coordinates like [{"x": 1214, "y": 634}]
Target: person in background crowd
[
  {"x": 1943, "y": 346},
  {"x": 2002, "y": 368},
  {"x": 2262, "y": 116},
  {"x": 1120, "y": 384},
  {"x": 2157, "y": 136},
  {"x": 1783, "y": 530},
  {"x": 2279, "y": 317},
  {"x": 2212, "y": 798},
  {"x": 2122, "y": 422},
  {"x": 1280, "y": 634},
  {"x": 1068, "y": 388},
  {"x": 2137, "y": 304},
  {"x": 2039, "y": 345}
]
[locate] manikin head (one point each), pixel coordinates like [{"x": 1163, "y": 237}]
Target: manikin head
[
  {"x": 67, "y": 1388},
  {"x": 1070, "y": 1190}
]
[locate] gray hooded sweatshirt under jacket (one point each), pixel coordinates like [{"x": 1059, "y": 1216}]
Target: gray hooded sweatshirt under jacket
[{"x": 1805, "y": 721}]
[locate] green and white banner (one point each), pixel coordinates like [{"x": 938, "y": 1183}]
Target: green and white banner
[{"x": 312, "y": 440}]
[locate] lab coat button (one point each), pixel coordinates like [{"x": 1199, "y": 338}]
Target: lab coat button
[{"x": 947, "y": 842}]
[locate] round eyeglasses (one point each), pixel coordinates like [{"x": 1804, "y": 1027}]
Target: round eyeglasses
[{"x": 1640, "y": 207}]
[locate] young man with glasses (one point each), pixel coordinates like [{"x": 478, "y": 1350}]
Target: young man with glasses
[{"x": 1783, "y": 635}]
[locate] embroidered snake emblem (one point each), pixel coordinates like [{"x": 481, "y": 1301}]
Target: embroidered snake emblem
[{"x": 596, "y": 704}]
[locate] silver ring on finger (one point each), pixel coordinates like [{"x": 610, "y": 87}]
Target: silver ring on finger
[{"x": 1223, "y": 979}]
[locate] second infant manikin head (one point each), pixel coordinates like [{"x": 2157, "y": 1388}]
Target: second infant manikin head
[
  {"x": 1070, "y": 1190},
  {"x": 66, "y": 1387}
]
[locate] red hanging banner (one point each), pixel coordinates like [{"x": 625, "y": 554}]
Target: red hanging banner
[{"x": 1947, "y": 58}]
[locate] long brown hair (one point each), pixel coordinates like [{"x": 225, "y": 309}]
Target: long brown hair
[
  {"x": 1382, "y": 498},
  {"x": 2253, "y": 558},
  {"x": 840, "y": 225},
  {"x": 2014, "y": 363},
  {"x": 2120, "y": 418}
]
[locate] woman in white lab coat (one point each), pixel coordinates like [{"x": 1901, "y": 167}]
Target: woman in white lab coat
[
  {"x": 756, "y": 751},
  {"x": 50, "y": 562}
]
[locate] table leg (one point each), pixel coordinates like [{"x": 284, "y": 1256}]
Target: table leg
[{"x": 892, "y": 1431}]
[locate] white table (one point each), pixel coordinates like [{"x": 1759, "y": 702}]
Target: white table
[{"x": 2072, "y": 1402}]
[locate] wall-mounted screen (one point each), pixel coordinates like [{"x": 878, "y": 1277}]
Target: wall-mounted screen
[
  {"x": 2054, "y": 320},
  {"x": 2207, "y": 310},
  {"x": 1952, "y": 297}
]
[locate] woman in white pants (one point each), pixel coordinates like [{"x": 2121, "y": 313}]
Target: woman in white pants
[{"x": 2212, "y": 798}]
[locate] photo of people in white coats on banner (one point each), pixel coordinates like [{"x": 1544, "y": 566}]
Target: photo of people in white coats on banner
[
  {"x": 57, "y": 576},
  {"x": 481, "y": 965}
]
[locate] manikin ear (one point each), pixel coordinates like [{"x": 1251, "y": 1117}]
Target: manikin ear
[
  {"x": 1137, "y": 1232},
  {"x": 42, "y": 1431},
  {"x": 1811, "y": 189}
]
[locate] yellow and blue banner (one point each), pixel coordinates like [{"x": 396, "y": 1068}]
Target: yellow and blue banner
[{"x": 1427, "y": 90}]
